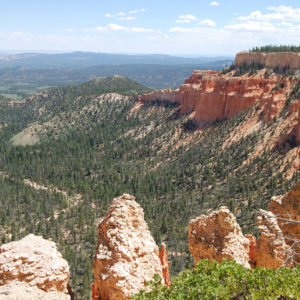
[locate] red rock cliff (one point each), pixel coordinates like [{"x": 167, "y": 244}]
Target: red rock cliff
[{"x": 212, "y": 95}]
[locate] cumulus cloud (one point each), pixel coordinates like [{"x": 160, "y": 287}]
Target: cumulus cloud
[
  {"x": 274, "y": 20},
  {"x": 208, "y": 22},
  {"x": 126, "y": 16},
  {"x": 214, "y": 3},
  {"x": 280, "y": 13},
  {"x": 186, "y": 19}
]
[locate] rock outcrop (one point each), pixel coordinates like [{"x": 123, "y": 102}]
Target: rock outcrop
[
  {"x": 126, "y": 256},
  {"x": 165, "y": 264},
  {"x": 271, "y": 251},
  {"x": 168, "y": 95},
  {"x": 252, "y": 249},
  {"x": 215, "y": 96},
  {"x": 218, "y": 236},
  {"x": 281, "y": 60},
  {"x": 287, "y": 210},
  {"x": 32, "y": 268}
]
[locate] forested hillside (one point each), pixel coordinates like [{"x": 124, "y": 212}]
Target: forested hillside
[{"x": 91, "y": 147}]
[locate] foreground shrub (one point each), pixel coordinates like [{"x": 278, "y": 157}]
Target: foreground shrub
[{"x": 228, "y": 280}]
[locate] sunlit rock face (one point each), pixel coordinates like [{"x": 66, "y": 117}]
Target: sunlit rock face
[
  {"x": 218, "y": 236},
  {"x": 281, "y": 60},
  {"x": 215, "y": 96},
  {"x": 32, "y": 268},
  {"x": 127, "y": 255}
]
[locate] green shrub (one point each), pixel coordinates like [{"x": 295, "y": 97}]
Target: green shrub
[{"x": 228, "y": 280}]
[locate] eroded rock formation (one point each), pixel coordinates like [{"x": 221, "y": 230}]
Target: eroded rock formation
[
  {"x": 214, "y": 96},
  {"x": 287, "y": 210},
  {"x": 218, "y": 236},
  {"x": 271, "y": 251},
  {"x": 127, "y": 256},
  {"x": 281, "y": 60},
  {"x": 165, "y": 264},
  {"x": 32, "y": 268}
]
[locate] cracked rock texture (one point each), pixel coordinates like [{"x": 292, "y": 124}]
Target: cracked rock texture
[
  {"x": 32, "y": 268},
  {"x": 127, "y": 255},
  {"x": 218, "y": 236}
]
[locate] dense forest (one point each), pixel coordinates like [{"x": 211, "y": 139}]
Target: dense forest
[
  {"x": 274, "y": 48},
  {"x": 91, "y": 148}
]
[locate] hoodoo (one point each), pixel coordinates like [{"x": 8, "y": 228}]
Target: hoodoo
[
  {"x": 127, "y": 256},
  {"x": 218, "y": 236}
]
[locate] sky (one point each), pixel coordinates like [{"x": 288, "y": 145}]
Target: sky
[{"x": 190, "y": 27}]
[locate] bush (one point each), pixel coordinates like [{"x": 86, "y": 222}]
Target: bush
[{"x": 228, "y": 280}]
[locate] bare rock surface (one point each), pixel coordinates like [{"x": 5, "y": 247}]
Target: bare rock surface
[
  {"x": 214, "y": 96},
  {"x": 126, "y": 256},
  {"x": 218, "y": 236},
  {"x": 17, "y": 290},
  {"x": 33, "y": 268},
  {"x": 271, "y": 251},
  {"x": 165, "y": 264},
  {"x": 287, "y": 210}
]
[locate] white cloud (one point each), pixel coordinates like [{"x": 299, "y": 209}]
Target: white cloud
[
  {"x": 208, "y": 22},
  {"x": 280, "y": 17},
  {"x": 117, "y": 27},
  {"x": 121, "y": 14},
  {"x": 185, "y": 30},
  {"x": 135, "y": 11},
  {"x": 287, "y": 24},
  {"x": 186, "y": 19},
  {"x": 126, "y": 16},
  {"x": 252, "y": 26},
  {"x": 214, "y": 3},
  {"x": 279, "y": 13}
]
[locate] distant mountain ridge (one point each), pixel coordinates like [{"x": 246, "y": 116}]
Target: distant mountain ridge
[{"x": 85, "y": 59}]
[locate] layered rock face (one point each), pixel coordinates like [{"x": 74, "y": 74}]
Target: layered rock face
[
  {"x": 126, "y": 256},
  {"x": 281, "y": 60},
  {"x": 213, "y": 96},
  {"x": 32, "y": 268},
  {"x": 218, "y": 236}
]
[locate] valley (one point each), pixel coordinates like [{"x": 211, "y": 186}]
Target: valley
[{"x": 66, "y": 152}]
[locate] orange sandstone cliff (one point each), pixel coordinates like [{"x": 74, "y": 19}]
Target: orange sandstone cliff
[
  {"x": 215, "y": 96},
  {"x": 281, "y": 60}
]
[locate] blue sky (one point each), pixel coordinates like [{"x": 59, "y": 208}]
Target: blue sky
[{"x": 188, "y": 27}]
